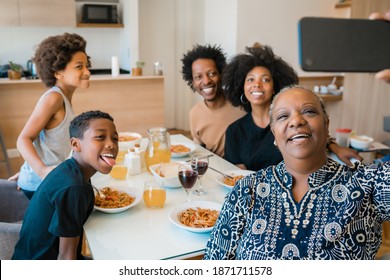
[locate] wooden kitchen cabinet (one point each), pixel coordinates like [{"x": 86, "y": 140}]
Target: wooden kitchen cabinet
[
  {"x": 38, "y": 13},
  {"x": 9, "y": 13}
]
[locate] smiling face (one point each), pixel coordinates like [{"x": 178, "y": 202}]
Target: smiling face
[
  {"x": 98, "y": 148},
  {"x": 299, "y": 125},
  {"x": 76, "y": 73},
  {"x": 206, "y": 78},
  {"x": 259, "y": 86}
]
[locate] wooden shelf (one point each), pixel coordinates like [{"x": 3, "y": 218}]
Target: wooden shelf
[
  {"x": 345, "y": 4},
  {"x": 330, "y": 97},
  {"x": 100, "y": 25}
]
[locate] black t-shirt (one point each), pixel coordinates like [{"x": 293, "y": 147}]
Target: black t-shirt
[
  {"x": 59, "y": 208},
  {"x": 248, "y": 144}
]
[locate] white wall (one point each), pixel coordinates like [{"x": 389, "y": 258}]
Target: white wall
[
  {"x": 220, "y": 24},
  {"x": 18, "y": 43},
  {"x": 275, "y": 23}
]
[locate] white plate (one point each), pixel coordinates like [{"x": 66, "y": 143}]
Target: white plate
[
  {"x": 138, "y": 198},
  {"x": 191, "y": 146},
  {"x": 233, "y": 173},
  {"x": 174, "y": 213}
]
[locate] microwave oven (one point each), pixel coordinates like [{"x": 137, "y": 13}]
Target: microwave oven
[{"x": 94, "y": 13}]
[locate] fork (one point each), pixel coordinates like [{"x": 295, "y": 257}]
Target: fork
[
  {"x": 223, "y": 174},
  {"x": 98, "y": 192}
]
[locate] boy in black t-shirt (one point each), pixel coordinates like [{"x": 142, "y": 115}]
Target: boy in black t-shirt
[{"x": 53, "y": 224}]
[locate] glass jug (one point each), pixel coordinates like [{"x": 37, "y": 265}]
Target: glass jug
[{"x": 158, "y": 149}]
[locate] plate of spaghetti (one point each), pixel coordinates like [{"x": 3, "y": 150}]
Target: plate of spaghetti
[
  {"x": 196, "y": 216},
  {"x": 182, "y": 149},
  {"x": 236, "y": 174},
  {"x": 115, "y": 200}
]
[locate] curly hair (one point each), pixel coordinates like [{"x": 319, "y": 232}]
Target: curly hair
[
  {"x": 80, "y": 123},
  {"x": 54, "y": 53},
  {"x": 202, "y": 52},
  {"x": 235, "y": 72}
]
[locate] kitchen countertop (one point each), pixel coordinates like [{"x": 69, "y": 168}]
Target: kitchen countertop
[{"x": 92, "y": 78}]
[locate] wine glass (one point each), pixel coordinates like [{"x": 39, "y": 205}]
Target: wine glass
[
  {"x": 187, "y": 178},
  {"x": 200, "y": 163}
]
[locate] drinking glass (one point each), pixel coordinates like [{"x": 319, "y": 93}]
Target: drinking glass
[
  {"x": 154, "y": 194},
  {"x": 119, "y": 171},
  {"x": 187, "y": 178},
  {"x": 200, "y": 163}
]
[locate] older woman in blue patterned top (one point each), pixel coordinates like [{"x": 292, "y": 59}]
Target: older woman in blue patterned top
[{"x": 308, "y": 206}]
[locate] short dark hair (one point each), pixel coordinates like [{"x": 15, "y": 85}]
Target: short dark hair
[
  {"x": 202, "y": 52},
  {"x": 54, "y": 53},
  {"x": 81, "y": 123},
  {"x": 234, "y": 74}
]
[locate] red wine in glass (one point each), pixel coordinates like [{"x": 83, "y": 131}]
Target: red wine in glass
[
  {"x": 187, "y": 179},
  {"x": 201, "y": 167},
  {"x": 200, "y": 163}
]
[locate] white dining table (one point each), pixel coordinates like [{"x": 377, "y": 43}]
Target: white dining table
[{"x": 142, "y": 233}]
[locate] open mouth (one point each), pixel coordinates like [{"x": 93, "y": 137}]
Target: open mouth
[
  {"x": 108, "y": 158},
  {"x": 299, "y": 136}
]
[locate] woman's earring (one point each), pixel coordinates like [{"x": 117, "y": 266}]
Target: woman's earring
[
  {"x": 242, "y": 99},
  {"x": 275, "y": 144}
]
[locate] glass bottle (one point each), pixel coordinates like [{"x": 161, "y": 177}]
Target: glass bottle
[{"x": 158, "y": 149}]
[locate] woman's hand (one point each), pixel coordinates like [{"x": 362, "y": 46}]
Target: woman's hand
[{"x": 345, "y": 154}]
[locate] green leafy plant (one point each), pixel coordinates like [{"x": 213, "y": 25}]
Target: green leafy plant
[
  {"x": 140, "y": 64},
  {"x": 14, "y": 66}
]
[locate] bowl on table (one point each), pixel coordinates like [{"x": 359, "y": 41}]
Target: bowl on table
[
  {"x": 182, "y": 149},
  {"x": 361, "y": 142},
  {"x": 127, "y": 140},
  {"x": 167, "y": 173}
]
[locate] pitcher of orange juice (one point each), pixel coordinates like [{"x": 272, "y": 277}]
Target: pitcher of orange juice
[{"x": 158, "y": 149}]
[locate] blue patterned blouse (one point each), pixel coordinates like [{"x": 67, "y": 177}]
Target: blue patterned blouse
[{"x": 340, "y": 217}]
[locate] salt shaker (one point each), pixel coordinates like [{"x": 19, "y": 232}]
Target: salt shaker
[{"x": 133, "y": 162}]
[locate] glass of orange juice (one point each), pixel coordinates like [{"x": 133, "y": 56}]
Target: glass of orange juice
[
  {"x": 120, "y": 157},
  {"x": 154, "y": 194},
  {"x": 119, "y": 171}
]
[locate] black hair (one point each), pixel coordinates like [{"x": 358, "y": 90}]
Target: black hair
[
  {"x": 81, "y": 123},
  {"x": 202, "y": 52},
  {"x": 235, "y": 72},
  {"x": 54, "y": 53}
]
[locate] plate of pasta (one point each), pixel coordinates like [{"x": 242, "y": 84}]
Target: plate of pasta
[
  {"x": 196, "y": 216},
  {"x": 236, "y": 174},
  {"x": 113, "y": 200},
  {"x": 182, "y": 149}
]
